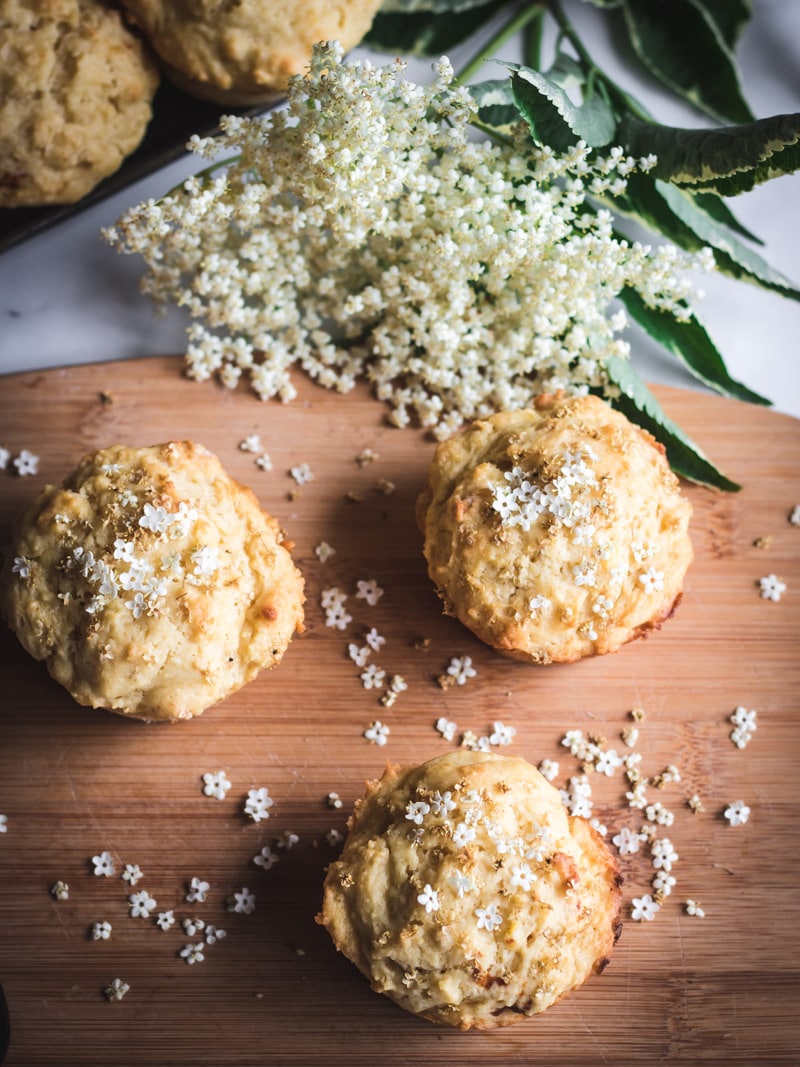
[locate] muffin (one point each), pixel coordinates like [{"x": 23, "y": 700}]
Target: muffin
[
  {"x": 556, "y": 532},
  {"x": 76, "y": 88},
  {"x": 151, "y": 583},
  {"x": 467, "y": 894},
  {"x": 245, "y": 53}
]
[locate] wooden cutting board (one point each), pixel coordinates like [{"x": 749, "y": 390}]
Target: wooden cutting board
[{"x": 74, "y": 782}]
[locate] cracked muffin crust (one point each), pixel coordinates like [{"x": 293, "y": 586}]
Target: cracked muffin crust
[
  {"x": 468, "y": 895},
  {"x": 556, "y": 532},
  {"x": 151, "y": 583}
]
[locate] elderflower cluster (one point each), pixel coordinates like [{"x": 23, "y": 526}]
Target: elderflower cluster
[{"x": 360, "y": 232}]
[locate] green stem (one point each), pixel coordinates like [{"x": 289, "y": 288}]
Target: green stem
[
  {"x": 532, "y": 41},
  {"x": 521, "y": 19}
]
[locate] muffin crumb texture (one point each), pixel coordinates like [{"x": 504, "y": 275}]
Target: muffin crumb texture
[
  {"x": 555, "y": 532},
  {"x": 152, "y": 584},
  {"x": 468, "y": 895}
]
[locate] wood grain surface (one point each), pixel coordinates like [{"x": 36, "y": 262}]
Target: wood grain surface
[{"x": 73, "y": 782}]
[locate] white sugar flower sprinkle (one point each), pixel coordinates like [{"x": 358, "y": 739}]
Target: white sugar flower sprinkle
[
  {"x": 489, "y": 918},
  {"x": 165, "y": 919},
  {"x": 251, "y": 443},
  {"x": 772, "y": 588},
  {"x": 198, "y": 890},
  {"x": 521, "y": 876},
  {"x": 652, "y": 580},
  {"x": 358, "y": 654},
  {"x": 369, "y": 591},
  {"x": 302, "y": 474},
  {"x": 549, "y": 768},
  {"x": 212, "y": 934},
  {"x": 26, "y": 463},
  {"x": 429, "y": 899},
  {"x": 216, "y": 785},
  {"x": 117, "y": 989},
  {"x": 664, "y": 854},
  {"x": 242, "y": 902},
  {"x": 21, "y": 566},
  {"x": 193, "y": 953},
  {"x": 101, "y": 931},
  {"x": 446, "y": 728},
  {"x": 737, "y": 813},
  {"x": 461, "y": 669},
  {"x": 627, "y": 841},
  {"x": 131, "y": 873},
  {"x": 266, "y": 858},
  {"x": 416, "y": 811},
  {"x": 258, "y": 804},
  {"x": 374, "y": 640},
  {"x": 644, "y": 908},
  {"x": 502, "y": 734},
  {"x": 372, "y": 677},
  {"x": 141, "y": 904},
  {"x": 103, "y": 865},
  {"x": 324, "y": 551},
  {"x": 693, "y": 908},
  {"x": 377, "y": 732}
]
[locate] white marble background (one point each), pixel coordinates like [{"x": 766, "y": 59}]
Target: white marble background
[{"x": 66, "y": 297}]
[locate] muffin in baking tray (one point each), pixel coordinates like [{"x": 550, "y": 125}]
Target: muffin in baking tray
[
  {"x": 151, "y": 582},
  {"x": 467, "y": 894},
  {"x": 245, "y": 53},
  {"x": 555, "y": 532},
  {"x": 76, "y": 87}
]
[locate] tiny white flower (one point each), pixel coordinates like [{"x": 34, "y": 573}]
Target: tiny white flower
[
  {"x": 652, "y": 580},
  {"x": 460, "y": 883},
  {"x": 263, "y": 462},
  {"x": 198, "y": 889},
  {"x": 359, "y": 655},
  {"x": 193, "y": 926},
  {"x": 664, "y": 855},
  {"x": 101, "y": 931},
  {"x": 103, "y": 864},
  {"x": 502, "y": 734},
  {"x": 627, "y": 841},
  {"x": 216, "y": 785},
  {"x": 302, "y": 474},
  {"x": 461, "y": 669},
  {"x": 212, "y": 934},
  {"x": 287, "y": 840},
  {"x": 131, "y": 873},
  {"x": 243, "y": 902},
  {"x": 429, "y": 899},
  {"x": 693, "y": 908},
  {"x": 463, "y": 834},
  {"x": 5, "y": 456},
  {"x": 644, "y": 908},
  {"x": 737, "y": 813},
  {"x": 377, "y": 733},
  {"x": 117, "y": 989},
  {"x": 369, "y": 591},
  {"x": 442, "y": 803},
  {"x": 538, "y": 603},
  {"x": 26, "y": 463},
  {"x": 266, "y": 858},
  {"x": 323, "y": 551},
  {"x": 446, "y": 728},
  {"x": 372, "y": 677},
  {"x": 374, "y": 640},
  {"x": 416, "y": 811},
  {"x": 154, "y": 518},
  {"x": 489, "y": 918},
  {"x": 333, "y": 837},
  {"x": 258, "y": 804},
  {"x": 206, "y": 561},
  {"x": 165, "y": 919},
  {"x": 521, "y": 876},
  {"x": 21, "y": 566},
  {"x": 251, "y": 443},
  {"x": 193, "y": 953},
  {"x": 794, "y": 515},
  {"x": 664, "y": 883},
  {"x": 772, "y": 588},
  {"x": 141, "y": 904}
]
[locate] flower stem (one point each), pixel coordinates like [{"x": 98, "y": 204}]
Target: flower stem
[
  {"x": 532, "y": 41},
  {"x": 512, "y": 27}
]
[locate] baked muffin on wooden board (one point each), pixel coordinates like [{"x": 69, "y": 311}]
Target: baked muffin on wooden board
[
  {"x": 151, "y": 582},
  {"x": 467, "y": 894},
  {"x": 555, "y": 532},
  {"x": 245, "y": 53},
  {"x": 76, "y": 87}
]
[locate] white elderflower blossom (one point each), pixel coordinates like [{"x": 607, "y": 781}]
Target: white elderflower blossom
[{"x": 362, "y": 232}]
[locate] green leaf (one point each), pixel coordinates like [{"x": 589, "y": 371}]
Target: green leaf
[
  {"x": 436, "y": 7},
  {"x": 730, "y": 17},
  {"x": 690, "y": 342},
  {"x": 682, "y": 46},
  {"x": 786, "y": 161},
  {"x": 640, "y": 406},
  {"x": 716, "y": 207},
  {"x": 674, "y": 213},
  {"x": 495, "y": 100},
  {"x": 428, "y": 33},
  {"x": 701, "y": 157},
  {"x": 552, "y": 117}
]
